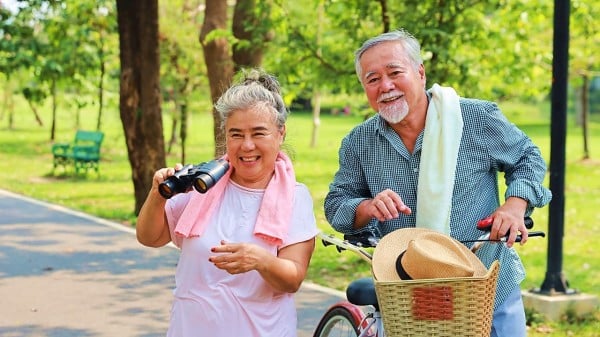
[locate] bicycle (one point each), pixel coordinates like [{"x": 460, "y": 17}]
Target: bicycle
[{"x": 359, "y": 315}]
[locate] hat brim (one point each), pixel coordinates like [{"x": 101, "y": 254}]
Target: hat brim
[{"x": 393, "y": 244}]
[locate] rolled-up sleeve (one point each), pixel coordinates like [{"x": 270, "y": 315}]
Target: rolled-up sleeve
[
  {"x": 346, "y": 191},
  {"x": 515, "y": 154}
]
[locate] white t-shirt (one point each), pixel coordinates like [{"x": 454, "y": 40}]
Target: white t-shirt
[{"x": 211, "y": 302}]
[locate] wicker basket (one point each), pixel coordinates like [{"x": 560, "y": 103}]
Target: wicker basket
[{"x": 438, "y": 307}]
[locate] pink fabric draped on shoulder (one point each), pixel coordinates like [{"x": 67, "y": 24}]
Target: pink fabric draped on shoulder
[{"x": 274, "y": 216}]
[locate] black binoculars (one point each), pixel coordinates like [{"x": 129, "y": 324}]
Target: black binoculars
[{"x": 202, "y": 177}]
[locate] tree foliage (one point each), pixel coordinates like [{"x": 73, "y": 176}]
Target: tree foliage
[
  {"x": 492, "y": 49},
  {"x": 18, "y": 50},
  {"x": 57, "y": 48},
  {"x": 585, "y": 33},
  {"x": 182, "y": 75}
]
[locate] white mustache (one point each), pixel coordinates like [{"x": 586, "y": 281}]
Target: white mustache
[{"x": 388, "y": 95}]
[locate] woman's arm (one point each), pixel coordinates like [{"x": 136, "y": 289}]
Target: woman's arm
[
  {"x": 284, "y": 272},
  {"x": 152, "y": 229}
]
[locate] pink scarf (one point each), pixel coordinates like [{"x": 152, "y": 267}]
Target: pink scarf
[{"x": 274, "y": 215}]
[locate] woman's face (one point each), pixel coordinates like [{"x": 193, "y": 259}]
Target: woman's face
[{"x": 253, "y": 142}]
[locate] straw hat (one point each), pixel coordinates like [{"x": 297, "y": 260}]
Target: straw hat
[{"x": 418, "y": 253}]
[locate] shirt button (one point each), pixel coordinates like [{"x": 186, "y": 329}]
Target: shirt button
[{"x": 415, "y": 170}]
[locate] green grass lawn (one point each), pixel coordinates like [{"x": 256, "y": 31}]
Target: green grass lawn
[{"x": 26, "y": 163}]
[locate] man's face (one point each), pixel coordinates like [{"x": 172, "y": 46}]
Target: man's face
[{"x": 392, "y": 84}]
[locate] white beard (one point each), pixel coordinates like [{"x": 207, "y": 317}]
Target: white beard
[{"x": 394, "y": 113}]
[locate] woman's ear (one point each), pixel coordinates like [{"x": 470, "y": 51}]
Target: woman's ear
[{"x": 282, "y": 131}]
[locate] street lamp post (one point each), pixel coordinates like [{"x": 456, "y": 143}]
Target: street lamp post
[{"x": 555, "y": 281}]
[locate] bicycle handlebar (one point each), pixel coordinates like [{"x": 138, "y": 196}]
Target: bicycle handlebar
[
  {"x": 485, "y": 224},
  {"x": 366, "y": 239},
  {"x": 358, "y": 242},
  {"x": 341, "y": 245}
]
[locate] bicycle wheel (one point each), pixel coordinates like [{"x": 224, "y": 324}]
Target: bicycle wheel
[{"x": 337, "y": 322}]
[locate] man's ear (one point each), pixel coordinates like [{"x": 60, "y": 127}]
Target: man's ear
[{"x": 422, "y": 72}]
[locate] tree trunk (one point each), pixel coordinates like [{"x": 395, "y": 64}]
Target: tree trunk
[
  {"x": 585, "y": 107},
  {"x": 139, "y": 92},
  {"x": 53, "y": 127},
  {"x": 385, "y": 15},
  {"x": 101, "y": 83},
  {"x": 9, "y": 105},
  {"x": 5, "y": 102},
  {"x": 250, "y": 25},
  {"x": 317, "y": 90},
  {"x": 219, "y": 64},
  {"x": 174, "y": 125},
  {"x": 35, "y": 113},
  {"x": 316, "y": 117},
  {"x": 183, "y": 129}
]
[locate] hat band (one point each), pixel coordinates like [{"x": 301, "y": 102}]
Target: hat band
[{"x": 400, "y": 269}]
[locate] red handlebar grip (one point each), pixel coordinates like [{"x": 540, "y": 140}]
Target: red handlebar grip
[{"x": 485, "y": 223}]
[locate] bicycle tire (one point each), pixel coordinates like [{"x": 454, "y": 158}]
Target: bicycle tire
[{"x": 337, "y": 321}]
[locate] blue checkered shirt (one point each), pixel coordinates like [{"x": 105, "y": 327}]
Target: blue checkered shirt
[{"x": 372, "y": 158}]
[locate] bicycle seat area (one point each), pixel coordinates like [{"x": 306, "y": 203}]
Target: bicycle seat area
[{"x": 362, "y": 292}]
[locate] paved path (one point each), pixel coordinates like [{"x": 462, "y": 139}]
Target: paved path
[{"x": 68, "y": 274}]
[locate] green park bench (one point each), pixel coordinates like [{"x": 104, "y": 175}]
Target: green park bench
[{"x": 83, "y": 152}]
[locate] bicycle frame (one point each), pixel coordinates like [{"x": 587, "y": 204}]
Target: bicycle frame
[
  {"x": 365, "y": 323},
  {"x": 368, "y": 322},
  {"x": 372, "y": 325}
]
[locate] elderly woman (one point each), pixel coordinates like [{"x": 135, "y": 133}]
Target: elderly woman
[{"x": 247, "y": 242}]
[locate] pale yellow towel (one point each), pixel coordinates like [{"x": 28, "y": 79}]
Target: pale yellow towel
[{"x": 441, "y": 140}]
